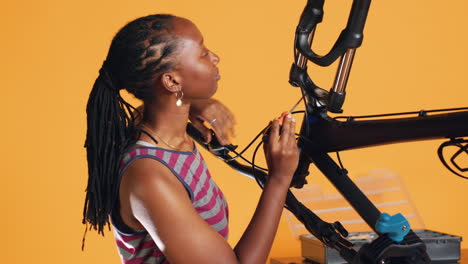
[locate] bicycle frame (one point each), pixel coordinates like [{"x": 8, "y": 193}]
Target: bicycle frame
[{"x": 320, "y": 134}]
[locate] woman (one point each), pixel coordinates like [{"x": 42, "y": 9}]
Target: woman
[{"x": 148, "y": 175}]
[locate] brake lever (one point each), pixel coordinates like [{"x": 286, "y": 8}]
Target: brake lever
[
  {"x": 214, "y": 146},
  {"x": 217, "y": 148}
]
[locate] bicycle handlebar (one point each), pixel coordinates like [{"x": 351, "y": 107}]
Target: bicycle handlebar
[{"x": 330, "y": 234}]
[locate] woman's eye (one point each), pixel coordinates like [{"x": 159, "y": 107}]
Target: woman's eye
[{"x": 205, "y": 53}]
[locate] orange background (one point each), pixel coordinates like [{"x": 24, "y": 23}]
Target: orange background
[{"x": 413, "y": 58}]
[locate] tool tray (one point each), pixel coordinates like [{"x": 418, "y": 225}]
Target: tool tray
[{"x": 441, "y": 247}]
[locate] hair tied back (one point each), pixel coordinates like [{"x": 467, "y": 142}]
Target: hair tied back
[{"x": 106, "y": 78}]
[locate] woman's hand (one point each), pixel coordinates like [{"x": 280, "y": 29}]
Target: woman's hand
[
  {"x": 216, "y": 115},
  {"x": 281, "y": 152}
]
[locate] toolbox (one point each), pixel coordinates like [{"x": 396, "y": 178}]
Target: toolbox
[{"x": 441, "y": 247}]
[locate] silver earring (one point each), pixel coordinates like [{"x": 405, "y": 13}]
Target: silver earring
[{"x": 179, "y": 96}]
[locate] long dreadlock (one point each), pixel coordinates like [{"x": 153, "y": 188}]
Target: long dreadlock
[{"x": 139, "y": 52}]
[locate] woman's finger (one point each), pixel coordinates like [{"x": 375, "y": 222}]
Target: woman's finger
[
  {"x": 286, "y": 130},
  {"x": 292, "y": 131},
  {"x": 220, "y": 128},
  {"x": 226, "y": 124},
  {"x": 273, "y": 136},
  {"x": 232, "y": 122},
  {"x": 227, "y": 117}
]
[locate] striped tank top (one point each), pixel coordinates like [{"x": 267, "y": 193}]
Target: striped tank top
[{"x": 137, "y": 246}]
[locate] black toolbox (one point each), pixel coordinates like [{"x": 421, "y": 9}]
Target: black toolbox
[{"x": 442, "y": 248}]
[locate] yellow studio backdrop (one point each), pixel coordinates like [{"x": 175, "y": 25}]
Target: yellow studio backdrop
[{"x": 413, "y": 57}]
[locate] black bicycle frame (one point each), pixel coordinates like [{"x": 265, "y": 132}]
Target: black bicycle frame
[
  {"x": 329, "y": 135},
  {"x": 320, "y": 134}
]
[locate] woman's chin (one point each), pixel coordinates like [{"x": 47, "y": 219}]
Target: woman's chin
[{"x": 214, "y": 90}]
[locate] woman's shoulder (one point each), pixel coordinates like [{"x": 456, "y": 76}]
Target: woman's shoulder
[
  {"x": 146, "y": 169},
  {"x": 142, "y": 149},
  {"x": 148, "y": 165}
]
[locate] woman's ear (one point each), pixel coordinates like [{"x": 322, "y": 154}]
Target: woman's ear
[{"x": 171, "y": 81}]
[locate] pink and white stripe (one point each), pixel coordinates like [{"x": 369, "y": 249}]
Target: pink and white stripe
[{"x": 207, "y": 199}]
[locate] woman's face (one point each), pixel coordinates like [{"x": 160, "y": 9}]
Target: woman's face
[{"x": 196, "y": 64}]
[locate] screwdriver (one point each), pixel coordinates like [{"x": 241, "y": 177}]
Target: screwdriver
[{"x": 281, "y": 119}]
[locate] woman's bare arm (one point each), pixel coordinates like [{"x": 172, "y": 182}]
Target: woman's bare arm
[
  {"x": 161, "y": 204},
  {"x": 282, "y": 158}
]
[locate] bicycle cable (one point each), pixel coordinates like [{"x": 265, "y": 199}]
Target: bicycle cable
[{"x": 462, "y": 148}]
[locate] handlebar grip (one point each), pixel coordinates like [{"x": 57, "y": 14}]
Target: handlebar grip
[{"x": 195, "y": 133}]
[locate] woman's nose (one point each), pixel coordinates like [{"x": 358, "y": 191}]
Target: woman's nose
[{"x": 215, "y": 58}]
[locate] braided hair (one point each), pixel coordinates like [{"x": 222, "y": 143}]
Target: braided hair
[{"x": 138, "y": 54}]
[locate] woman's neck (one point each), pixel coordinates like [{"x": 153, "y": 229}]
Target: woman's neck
[{"x": 167, "y": 121}]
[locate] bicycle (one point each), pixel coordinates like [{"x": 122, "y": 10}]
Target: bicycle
[{"x": 321, "y": 134}]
